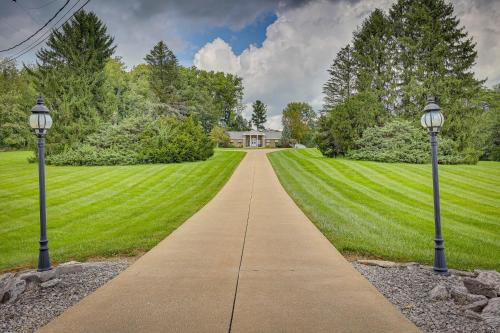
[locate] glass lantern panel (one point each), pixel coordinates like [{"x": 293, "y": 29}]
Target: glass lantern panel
[
  {"x": 48, "y": 121},
  {"x": 34, "y": 124},
  {"x": 437, "y": 119}
]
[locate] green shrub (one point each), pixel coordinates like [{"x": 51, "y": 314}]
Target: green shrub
[
  {"x": 339, "y": 129},
  {"x": 401, "y": 141},
  {"x": 140, "y": 140}
]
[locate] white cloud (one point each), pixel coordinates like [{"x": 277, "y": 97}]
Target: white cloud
[
  {"x": 218, "y": 56},
  {"x": 291, "y": 64},
  {"x": 480, "y": 19}
]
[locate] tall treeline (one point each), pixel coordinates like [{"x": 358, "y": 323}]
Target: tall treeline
[
  {"x": 396, "y": 59},
  {"x": 88, "y": 88}
]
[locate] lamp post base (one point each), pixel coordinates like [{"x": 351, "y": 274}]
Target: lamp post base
[
  {"x": 43, "y": 257},
  {"x": 439, "y": 258}
]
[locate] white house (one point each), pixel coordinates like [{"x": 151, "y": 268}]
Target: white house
[{"x": 244, "y": 139}]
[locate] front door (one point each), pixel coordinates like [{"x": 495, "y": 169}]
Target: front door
[{"x": 253, "y": 142}]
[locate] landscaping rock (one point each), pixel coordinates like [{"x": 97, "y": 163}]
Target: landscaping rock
[
  {"x": 69, "y": 267},
  {"x": 477, "y": 306},
  {"x": 38, "y": 277},
  {"x": 489, "y": 277},
  {"x": 409, "y": 289},
  {"x": 475, "y": 286},
  {"x": 37, "y": 305},
  {"x": 473, "y": 315},
  {"x": 439, "y": 293},
  {"x": 379, "y": 263},
  {"x": 6, "y": 281},
  {"x": 50, "y": 283},
  {"x": 491, "y": 313},
  {"x": 461, "y": 296},
  {"x": 462, "y": 273},
  {"x": 12, "y": 289}
]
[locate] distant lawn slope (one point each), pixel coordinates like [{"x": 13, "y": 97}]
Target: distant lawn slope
[
  {"x": 101, "y": 211},
  {"x": 386, "y": 210}
]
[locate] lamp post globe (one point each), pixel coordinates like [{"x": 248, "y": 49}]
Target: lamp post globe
[
  {"x": 40, "y": 122},
  {"x": 433, "y": 120}
]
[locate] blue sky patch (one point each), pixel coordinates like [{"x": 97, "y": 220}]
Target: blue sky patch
[{"x": 254, "y": 33}]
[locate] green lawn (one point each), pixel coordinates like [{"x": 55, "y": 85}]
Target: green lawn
[
  {"x": 385, "y": 210},
  {"x": 101, "y": 211}
]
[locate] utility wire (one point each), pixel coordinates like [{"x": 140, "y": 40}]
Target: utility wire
[
  {"x": 15, "y": 55},
  {"x": 29, "y": 37},
  {"x": 76, "y": 11}
]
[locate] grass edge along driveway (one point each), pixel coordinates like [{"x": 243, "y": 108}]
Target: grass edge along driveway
[
  {"x": 386, "y": 209},
  {"x": 101, "y": 211}
]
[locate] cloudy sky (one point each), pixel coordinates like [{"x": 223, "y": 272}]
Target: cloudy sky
[{"x": 281, "y": 48}]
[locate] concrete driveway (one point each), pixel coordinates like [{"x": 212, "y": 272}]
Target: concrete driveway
[{"x": 249, "y": 261}]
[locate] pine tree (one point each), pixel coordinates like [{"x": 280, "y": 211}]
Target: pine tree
[
  {"x": 70, "y": 76},
  {"x": 259, "y": 115},
  {"x": 436, "y": 56},
  {"x": 341, "y": 83},
  {"x": 373, "y": 53},
  {"x": 83, "y": 44},
  {"x": 16, "y": 99},
  {"x": 163, "y": 72}
]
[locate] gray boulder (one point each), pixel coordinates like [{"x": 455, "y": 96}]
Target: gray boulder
[
  {"x": 5, "y": 285},
  {"x": 12, "y": 289},
  {"x": 477, "y": 306},
  {"x": 473, "y": 315},
  {"x": 475, "y": 286},
  {"x": 38, "y": 277},
  {"x": 461, "y": 296},
  {"x": 439, "y": 293},
  {"x": 491, "y": 313},
  {"x": 69, "y": 267},
  {"x": 489, "y": 277}
]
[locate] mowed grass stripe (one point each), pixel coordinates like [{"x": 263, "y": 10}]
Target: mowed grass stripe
[
  {"x": 324, "y": 211},
  {"x": 419, "y": 182},
  {"x": 386, "y": 210},
  {"x": 415, "y": 200},
  {"x": 358, "y": 213},
  {"x": 367, "y": 197},
  {"x": 102, "y": 211}
]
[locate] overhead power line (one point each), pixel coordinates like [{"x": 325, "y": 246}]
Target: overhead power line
[
  {"x": 15, "y": 55},
  {"x": 26, "y": 50},
  {"x": 33, "y": 34}
]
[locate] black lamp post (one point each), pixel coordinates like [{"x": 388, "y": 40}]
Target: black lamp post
[
  {"x": 433, "y": 120},
  {"x": 40, "y": 121}
]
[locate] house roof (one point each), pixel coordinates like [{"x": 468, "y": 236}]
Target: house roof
[{"x": 235, "y": 135}]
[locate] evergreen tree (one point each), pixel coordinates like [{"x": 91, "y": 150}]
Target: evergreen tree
[
  {"x": 70, "y": 76},
  {"x": 17, "y": 97},
  {"x": 489, "y": 103},
  {"x": 373, "y": 55},
  {"x": 82, "y": 44},
  {"x": 341, "y": 83},
  {"x": 163, "y": 72},
  {"x": 436, "y": 56},
  {"x": 259, "y": 116}
]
